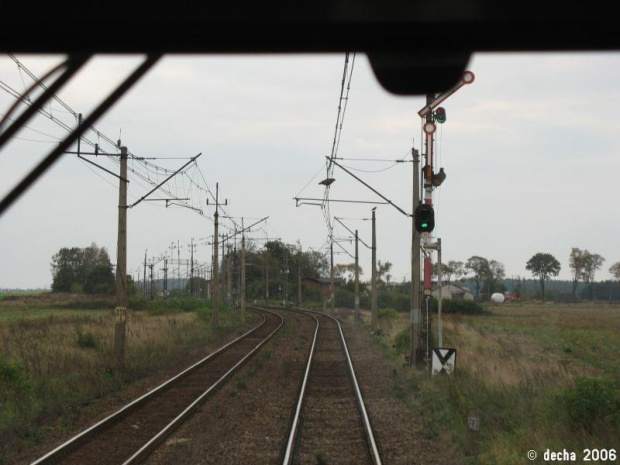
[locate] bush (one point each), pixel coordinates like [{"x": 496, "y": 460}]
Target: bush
[
  {"x": 90, "y": 303},
  {"x": 402, "y": 341},
  {"x": 402, "y": 302},
  {"x": 311, "y": 294},
  {"x": 255, "y": 290},
  {"x": 13, "y": 380},
  {"x": 466, "y": 307},
  {"x": 86, "y": 340},
  {"x": 138, "y": 303},
  {"x": 76, "y": 288},
  {"x": 345, "y": 298},
  {"x": 390, "y": 298},
  {"x": 387, "y": 313},
  {"x": 175, "y": 305},
  {"x": 385, "y": 298},
  {"x": 590, "y": 402}
]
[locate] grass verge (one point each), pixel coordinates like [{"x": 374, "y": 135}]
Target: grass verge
[{"x": 54, "y": 360}]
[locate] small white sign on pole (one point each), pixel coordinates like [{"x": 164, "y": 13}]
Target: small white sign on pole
[{"x": 443, "y": 361}]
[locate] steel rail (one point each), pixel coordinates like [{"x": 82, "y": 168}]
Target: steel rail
[
  {"x": 77, "y": 441},
  {"x": 150, "y": 446},
  {"x": 288, "y": 454},
  {"x": 370, "y": 436},
  {"x": 376, "y": 456}
]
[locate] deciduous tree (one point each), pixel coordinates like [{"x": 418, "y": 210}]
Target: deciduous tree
[
  {"x": 577, "y": 264},
  {"x": 383, "y": 269},
  {"x": 66, "y": 265},
  {"x": 497, "y": 273},
  {"x": 347, "y": 271},
  {"x": 593, "y": 262},
  {"x": 88, "y": 269},
  {"x": 615, "y": 272},
  {"x": 544, "y": 266},
  {"x": 451, "y": 271},
  {"x": 480, "y": 271}
]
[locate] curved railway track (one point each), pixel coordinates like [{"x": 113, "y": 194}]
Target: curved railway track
[
  {"x": 133, "y": 432},
  {"x": 330, "y": 421}
]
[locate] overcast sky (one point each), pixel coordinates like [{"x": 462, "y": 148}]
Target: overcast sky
[{"x": 530, "y": 152}]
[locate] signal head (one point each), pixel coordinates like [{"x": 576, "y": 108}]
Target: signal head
[
  {"x": 424, "y": 218},
  {"x": 440, "y": 115}
]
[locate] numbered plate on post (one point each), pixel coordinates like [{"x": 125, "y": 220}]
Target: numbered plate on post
[
  {"x": 473, "y": 424},
  {"x": 120, "y": 314}
]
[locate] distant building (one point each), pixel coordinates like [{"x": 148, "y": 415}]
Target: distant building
[
  {"x": 454, "y": 292},
  {"x": 323, "y": 284}
]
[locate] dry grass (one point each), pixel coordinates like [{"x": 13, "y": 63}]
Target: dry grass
[
  {"x": 510, "y": 359},
  {"x": 56, "y": 359},
  {"x": 49, "y": 346},
  {"x": 519, "y": 365},
  {"x": 539, "y": 341}
]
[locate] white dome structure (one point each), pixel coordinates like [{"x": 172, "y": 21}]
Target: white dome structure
[{"x": 498, "y": 298}]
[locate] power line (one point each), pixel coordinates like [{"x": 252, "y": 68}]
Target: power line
[
  {"x": 346, "y": 76},
  {"x": 371, "y": 171},
  {"x": 143, "y": 171}
]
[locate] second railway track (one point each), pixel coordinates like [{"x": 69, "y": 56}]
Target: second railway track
[{"x": 130, "y": 434}]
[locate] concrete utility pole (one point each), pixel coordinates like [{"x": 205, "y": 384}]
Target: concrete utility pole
[
  {"x": 373, "y": 307},
  {"x": 439, "y": 301},
  {"x": 228, "y": 276},
  {"x": 242, "y": 290},
  {"x": 267, "y": 278},
  {"x": 299, "y": 278},
  {"x": 224, "y": 274},
  {"x": 165, "y": 277},
  {"x": 357, "y": 277},
  {"x": 144, "y": 276},
  {"x": 191, "y": 276},
  {"x": 286, "y": 271},
  {"x": 205, "y": 282},
  {"x": 237, "y": 273},
  {"x": 172, "y": 247},
  {"x": 151, "y": 288},
  {"x": 215, "y": 285},
  {"x": 331, "y": 277},
  {"x": 357, "y": 266},
  {"x": 216, "y": 274},
  {"x": 178, "y": 264},
  {"x": 416, "y": 310},
  {"x": 121, "y": 264}
]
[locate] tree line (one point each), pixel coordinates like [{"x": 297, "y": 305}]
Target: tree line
[
  {"x": 78, "y": 270},
  {"x": 487, "y": 275},
  {"x": 582, "y": 263},
  {"x": 275, "y": 268}
]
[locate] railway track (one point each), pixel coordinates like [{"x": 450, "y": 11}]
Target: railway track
[
  {"x": 330, "y": 422},
  {"x": 133, "y": 432}
]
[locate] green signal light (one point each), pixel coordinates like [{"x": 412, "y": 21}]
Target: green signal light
[
  {"x": 424, "y": 218},
  {"x": 440, "y": 115}
]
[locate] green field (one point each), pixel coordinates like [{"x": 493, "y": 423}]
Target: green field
[{"x": 542, "y": 376}]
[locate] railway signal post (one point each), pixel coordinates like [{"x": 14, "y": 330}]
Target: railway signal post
[{"x": 423, "y": 217}]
